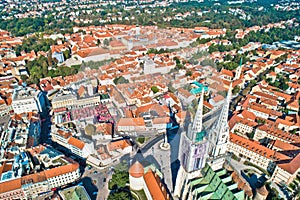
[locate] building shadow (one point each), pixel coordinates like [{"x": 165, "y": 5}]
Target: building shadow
[{"x": 90, "y": 187}]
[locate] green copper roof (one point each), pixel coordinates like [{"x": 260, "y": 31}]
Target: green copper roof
[
  {"x": 239, "y": 195},
  {"x": 199, "y": 89},
  {"x": 215, "y": 185},
  {"x": 200, "y": 136}
]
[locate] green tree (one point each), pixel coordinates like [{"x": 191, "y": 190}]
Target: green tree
[
  {"x": 228, "y": 57},
  {"x": 222, "y": 93},
  {"x": 90, "y": 129},
  {"x": 212, "y": 48},
  {"x": 49, "y": 59},
  {"x": 154, "y": 89},
  {"x": 122, "y": 195},
  {"x": 189, "y": 73},
  {"x": 176, "y": 60},
  {"x": 221, "y": 48},
  {"x": 24, "y": 77},
  {"x": 106, "y": 42},
  {"x": 67, "y": 54},
  {"x": 236, "y": 90},
  {"x": 120, "y": 177},
  {"x": 208, "y": 62},
  {"x": 120, "y": 80}
]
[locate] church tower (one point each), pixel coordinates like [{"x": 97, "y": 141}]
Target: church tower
[
  {"x": 192, "y": 151},
  {"x": 198, "y": 147},
  {"x": 219, "y": 135}
]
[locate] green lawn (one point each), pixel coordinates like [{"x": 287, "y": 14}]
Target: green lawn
[
  {"x": 257, "y": 167},
  {"x": 141, "y": 194}
]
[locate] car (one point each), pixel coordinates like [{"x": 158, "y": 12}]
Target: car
[
  {"x": 95, "y": 172},
  {"x": 104, "y": 180}
]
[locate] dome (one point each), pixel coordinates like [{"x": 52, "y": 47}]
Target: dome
[{"x": 136, "y": 170}]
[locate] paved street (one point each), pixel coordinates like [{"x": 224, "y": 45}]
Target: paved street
[
  {"x": 96, "y": 182},
  {"x": 163, "y": 159},
  {"x": 166, "y": 161},
  {"x": 240, "y": 166}
]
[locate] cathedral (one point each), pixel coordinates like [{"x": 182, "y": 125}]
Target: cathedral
[{"x": 200, "y": 147}]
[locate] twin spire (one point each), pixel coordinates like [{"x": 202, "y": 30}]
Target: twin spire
[
  {"x": 221, "y": 124},
  {"x": 219, "y": 133},
  {"x": 197, "y": 123}
]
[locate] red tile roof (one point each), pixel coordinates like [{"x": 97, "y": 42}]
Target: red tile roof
[
  {"x": 272, "y": 129},
  {"x": 136, "y": 170},
  {"x": 263, "y": 109},
  {"x": 76, "y": 143},
  {"x": 285, "y": 146},
  {"x": 10, "y": 185},
  {"x": 227, "y": 72},
  {"x": 155, "y": 186},
  {"x": 208, "y": 105},
  {"x": 255, "y": 146},
  {"x": 292, "y": 166},
  {"x": 61, "y": 170},
  {"x": 131, "y": 122},
  {"x": 121, "y": 144},
  {"x": 92, "y": 52},
  {"x": 248, "y": 115},
  {"x": 236, "y": 119}
]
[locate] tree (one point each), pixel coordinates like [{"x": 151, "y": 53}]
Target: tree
[
  {"x": 221, "y": 48},
  {"x": 154, "y": 89},
  {"x": 120, "y": 177},
  {"x": 222, "y": 93},
  {"x": 24, "y": 77},
  {"x": 120, "y": 80},
  {"x": 67, "y": 54},
  {"x": 236, "y": 90},
  {"x": 228, "y": 57},
  {"x": 49, "y": 59},
  {"x": 90, "y": 129},
  {"x": 273, "y": 193},
  {"x": 122, "y": 195},
  {"x": 189, "y": 73},
  {"x": 208, "y": 62},
  {"x": 212, "y": 48},
  {"x": 251, "y": 135},
  {"x": 176, "y": 60},
  {"x": 105, "y": 42}
]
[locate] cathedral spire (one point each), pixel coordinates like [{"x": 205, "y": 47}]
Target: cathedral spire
[
  {"x": 221, "y": 129},
  {"x": 197, "y": 123}
]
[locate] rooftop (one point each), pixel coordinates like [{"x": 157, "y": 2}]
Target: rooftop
[
  {"x": 74, "y": 193},
  {"x": 255, "y": 147}
]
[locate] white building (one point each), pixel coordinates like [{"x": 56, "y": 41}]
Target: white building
[
  {"x": 80, "y": 148},
  {"x": 253, "y": 152},
  {"x": 185, "y": 96},
  {"x": 131, "y": 124},
  {"x": 287, "y": 172},
  {"x": 57, "y": 171},
  {"x": 26, "y": 99},
  {"x": 149, "y": 182}
]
